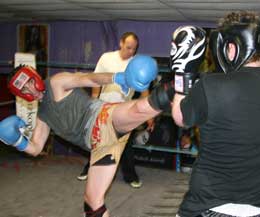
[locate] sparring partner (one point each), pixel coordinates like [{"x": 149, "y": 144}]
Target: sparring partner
[
  {"x": 102, "y": 128},
  {"x": 225, "y": 107}
]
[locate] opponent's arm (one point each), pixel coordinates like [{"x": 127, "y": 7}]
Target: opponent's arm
[
  {"x": 138, "y": 75},
  {"x": 150, "y": 123},
  {"x": 63, "y": 83},
  {"x": 68, "y": 81},
  {"x": 176, "y": 109},
  {"x": 11, "y": 133}
]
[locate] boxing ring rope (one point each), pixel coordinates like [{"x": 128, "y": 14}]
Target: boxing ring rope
[
  {"x": 53, "y": 65},
  {"x": 178, "y": 151},
  {"x": 162, "y": 69},
  {"x": 150, "y": 147},
  {"x": 7, "y": 103}
]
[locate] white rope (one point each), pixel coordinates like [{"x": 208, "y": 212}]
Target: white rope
[{"x": 7, "y": 103}]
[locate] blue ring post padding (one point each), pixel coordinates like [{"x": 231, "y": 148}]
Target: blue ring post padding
[{"x": 178, "y": 157}]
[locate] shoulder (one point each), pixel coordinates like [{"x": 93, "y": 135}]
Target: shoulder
[
  {"x": 214, "y": 79},
  {"x": 109, "y": 54},
  {"x": 107, "y": 57},
  {"x": 66, "y": 80},
  {"x": 217, "y": 85},
  {"x": 58, "y": 76},
  {"x": 220, "y": 78},
  {"x": 212, "y": 76}
]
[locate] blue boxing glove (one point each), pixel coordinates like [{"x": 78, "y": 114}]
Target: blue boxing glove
[
  {"x": 140, "y": 72},
  {"x": 10, "y": 132},
  {"x": 119, "y": 78}
]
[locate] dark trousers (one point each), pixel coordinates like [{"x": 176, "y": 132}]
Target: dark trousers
[{"x": 127, "y": 162}]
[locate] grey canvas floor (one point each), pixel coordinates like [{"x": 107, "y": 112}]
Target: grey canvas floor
[{"x": 48, "y": 188}]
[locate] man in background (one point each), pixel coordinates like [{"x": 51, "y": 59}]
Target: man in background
[{"x": 118, "y": 61}]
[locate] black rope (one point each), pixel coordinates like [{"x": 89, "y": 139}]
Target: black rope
[{"x": 56, "y": 65}]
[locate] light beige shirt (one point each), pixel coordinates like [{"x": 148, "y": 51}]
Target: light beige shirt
[{"x": 112, "y": 62}]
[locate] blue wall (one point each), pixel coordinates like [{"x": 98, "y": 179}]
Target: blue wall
[{"x": 84, "y": 42}]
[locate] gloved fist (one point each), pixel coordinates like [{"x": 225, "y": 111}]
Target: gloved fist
[
  {"x": 140, "y": 72},
  {"x": 10, "y": 132},
  {"x": 162, "y": 96},
  {"x": 119, "y": 78},
  {"x": 187, "y": 53}
]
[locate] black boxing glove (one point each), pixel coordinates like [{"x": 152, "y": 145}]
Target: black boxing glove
[
  {"x": 187, "y": 53},
  {"x": 161, "y": 96}
]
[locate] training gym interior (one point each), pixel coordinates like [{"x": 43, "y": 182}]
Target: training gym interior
[{"x": 71, "y": 35}]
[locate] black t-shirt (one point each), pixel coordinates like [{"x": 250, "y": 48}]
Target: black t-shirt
[{"x": 227, "y": 110}]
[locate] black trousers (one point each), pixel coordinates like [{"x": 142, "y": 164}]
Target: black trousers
[{"x": 127, "y": 162}]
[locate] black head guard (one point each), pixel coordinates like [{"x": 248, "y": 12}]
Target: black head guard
[{"x": 246, "y": 38}]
